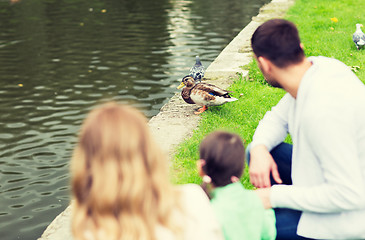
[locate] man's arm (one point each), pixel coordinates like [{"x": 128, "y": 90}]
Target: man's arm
[
  {"x": 261, "y": 162},
  {"x": 271, "y": 131}
]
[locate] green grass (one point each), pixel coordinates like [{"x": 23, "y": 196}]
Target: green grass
[{"x": 320, "y": 36}]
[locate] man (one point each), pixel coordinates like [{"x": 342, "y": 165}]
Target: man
[{"x": 319, "y": 181}]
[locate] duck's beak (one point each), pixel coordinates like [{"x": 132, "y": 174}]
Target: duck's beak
[
  {"x": 181, "y": 85},
  {"x": 361, "y": 25}
]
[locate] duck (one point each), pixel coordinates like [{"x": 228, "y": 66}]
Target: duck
[
  {"x": 359, "y": 37},
  {"x": 203, "y": 94},
  {"x": 197, "y": 70}
]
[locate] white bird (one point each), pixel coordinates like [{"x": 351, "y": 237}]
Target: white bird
[
  {"x": 197, "y": 70},
  {"x": 359, "y": 37}
]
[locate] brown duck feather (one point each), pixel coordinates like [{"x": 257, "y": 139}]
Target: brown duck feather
[
  {"x": 209, "y": 88},
  {"x": 185, "y": 94}
]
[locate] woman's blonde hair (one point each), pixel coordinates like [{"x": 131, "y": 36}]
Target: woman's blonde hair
[{"x": 120, "y": 181}]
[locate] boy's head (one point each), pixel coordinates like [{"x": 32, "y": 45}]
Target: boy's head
[
  {"x": 278, "y": 41},
  {"x": 222, "y": 157}
]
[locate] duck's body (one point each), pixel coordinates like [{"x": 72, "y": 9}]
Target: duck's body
[
  {"x": 197, "y": 70},
  {"x": 203, "y": 94},
  {"x": 359, "y": 37}
]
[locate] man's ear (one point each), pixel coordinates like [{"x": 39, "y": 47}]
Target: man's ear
[
  {"x": 264, "y": 64},
  {"x": 199, "y": 165}
]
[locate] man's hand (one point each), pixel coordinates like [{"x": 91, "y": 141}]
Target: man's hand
[
  {"x": 264, "y": 195},
  {"x": 261, "y": 165}
]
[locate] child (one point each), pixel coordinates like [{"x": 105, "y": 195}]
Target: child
[{"x": 240, "y": 211}]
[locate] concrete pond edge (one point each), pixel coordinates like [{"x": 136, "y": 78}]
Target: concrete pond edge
[{"x": 176, "y": 120}]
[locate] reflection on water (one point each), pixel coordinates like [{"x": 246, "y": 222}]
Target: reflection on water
[{"x": 60, "y": 58}]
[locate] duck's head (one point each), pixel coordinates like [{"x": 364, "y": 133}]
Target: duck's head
[{"x": 187, "y": 81}]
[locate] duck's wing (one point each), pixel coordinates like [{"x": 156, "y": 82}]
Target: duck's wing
[
  {"x": 212, "y": 89},
  {"x": 202, "y": 97}
]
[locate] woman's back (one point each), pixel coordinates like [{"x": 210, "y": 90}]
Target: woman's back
[{"x": 196, "y": 216}]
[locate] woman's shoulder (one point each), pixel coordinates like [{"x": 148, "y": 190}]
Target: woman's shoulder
[
  {"x": 192, "y": 194},
  {"x": 200, "y": 221},
  {"x": 191, "y": 188}
]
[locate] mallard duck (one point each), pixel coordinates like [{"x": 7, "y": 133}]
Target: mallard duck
[
  {"x": 359, "y": 37},
  {"x": 197, "y": 70},
  {"x": 203, "y": 94}
]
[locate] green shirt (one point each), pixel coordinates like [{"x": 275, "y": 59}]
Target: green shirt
[{"x": 241, "y": 213}]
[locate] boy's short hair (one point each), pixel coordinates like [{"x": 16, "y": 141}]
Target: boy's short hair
[{"x": 278, "y": 41}]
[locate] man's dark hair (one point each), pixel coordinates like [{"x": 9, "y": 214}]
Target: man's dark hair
[{"x": 278, "y": 41}]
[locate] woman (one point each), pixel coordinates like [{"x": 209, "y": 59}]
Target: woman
[{"x": 121, "y": 186}]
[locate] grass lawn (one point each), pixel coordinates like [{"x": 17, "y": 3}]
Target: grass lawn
[{"x": 325, "y": 28}]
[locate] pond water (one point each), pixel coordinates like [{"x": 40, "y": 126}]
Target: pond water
[{"x": 59, "y": 58}]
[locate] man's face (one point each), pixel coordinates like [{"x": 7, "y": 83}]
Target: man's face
[{"x": 268, "y": 77}]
